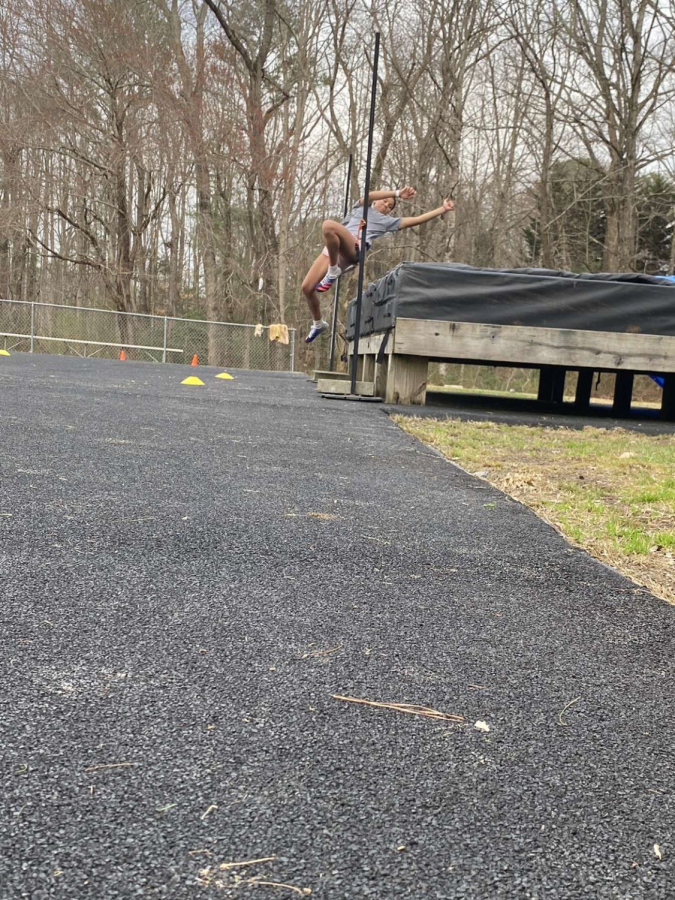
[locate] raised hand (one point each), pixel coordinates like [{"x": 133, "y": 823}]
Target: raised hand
[{"x": 407, "y": 193}]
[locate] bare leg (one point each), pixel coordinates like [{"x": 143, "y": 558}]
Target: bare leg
[
  {"x": 317, "y": 270},
  {"x": 339, "y": 242},
  {"x": 341, "y": 245}
]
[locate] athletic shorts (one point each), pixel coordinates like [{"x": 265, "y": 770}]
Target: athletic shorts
[{"x": 343, "y": 262}]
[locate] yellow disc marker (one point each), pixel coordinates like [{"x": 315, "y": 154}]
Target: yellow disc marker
[
  {"x": 226, "y": 375},
  {"x": 192, "y": 380},
  {"x": 4, "y": 352}
]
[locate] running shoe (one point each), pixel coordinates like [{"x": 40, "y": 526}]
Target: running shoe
[
  {"x": 327, "y": 282},
  {"x": 315, "y": 331}
]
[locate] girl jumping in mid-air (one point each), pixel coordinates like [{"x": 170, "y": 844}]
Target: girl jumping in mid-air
[{"x": 342, "y": 243}]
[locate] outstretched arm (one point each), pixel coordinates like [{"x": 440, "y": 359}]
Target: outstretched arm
[
  {"x": 411, "y": 221},
  {"x": 406, "y": 193}
]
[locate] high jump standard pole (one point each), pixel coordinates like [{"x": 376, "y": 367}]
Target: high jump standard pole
[
  {"x": 336, "y": 298},
  {"x": 362, "y": 250}
]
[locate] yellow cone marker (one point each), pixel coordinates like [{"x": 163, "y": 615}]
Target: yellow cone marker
[
  {"x": 226, "y": 375},
  {"x": 4, "y": 353},
  {"x": 192, "y": 380}
]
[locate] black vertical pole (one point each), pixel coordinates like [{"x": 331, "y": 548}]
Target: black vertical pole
[
  {"x": 336, "y": 298},
  {"x": 364, "y": 233}
]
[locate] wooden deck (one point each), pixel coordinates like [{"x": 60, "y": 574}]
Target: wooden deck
[{"x": 401, "y": 377}]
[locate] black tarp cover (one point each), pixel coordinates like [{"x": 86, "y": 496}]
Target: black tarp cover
[{"x": 543, "y": 298}]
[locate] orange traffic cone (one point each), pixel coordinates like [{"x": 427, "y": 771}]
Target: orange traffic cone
[
  {"x": 123, "y": 355},
  {"x": 195, "y": 361}
]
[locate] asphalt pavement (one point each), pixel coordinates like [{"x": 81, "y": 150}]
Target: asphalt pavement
[{"x": 191, "y": 573}]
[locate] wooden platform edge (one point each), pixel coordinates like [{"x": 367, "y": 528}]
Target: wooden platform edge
[
  {"x": 513, "y": 344},
  {"x": 342, "y": 386},
  {"x": 336, "y": 376},
  {"x": 369, "y": 344}
]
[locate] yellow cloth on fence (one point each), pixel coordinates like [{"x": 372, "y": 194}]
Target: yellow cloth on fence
[
  {"x": 279, "y": 333},
  {"x": 258, "y": 330}
]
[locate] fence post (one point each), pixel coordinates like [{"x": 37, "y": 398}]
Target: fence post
[
  {"x": 32, "y": 326},
  {"x": 293, "y": 350},
  {"x": 164, "y": 347}
]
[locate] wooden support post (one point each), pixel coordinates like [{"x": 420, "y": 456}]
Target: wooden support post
[
  {"x": 544, "y": 391},
  {"x": 551, "y": 384},
  {"x": 407, "y": 380},
  {"x": 668, "y": 400},
  {"x": 368, "y": 373},
  {"x": 559, "y": 384},
  {"x": 582, "y": 399},
  {"x": 623, "y": 393},
  {"x": 380, "y": 377}
]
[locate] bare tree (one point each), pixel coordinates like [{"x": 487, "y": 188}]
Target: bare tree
[
  {"x": 94, "y": 102},
  {"x": 186, "y": 94},
  {"x": 436, "y": 72},
  {"x": 536, "y": 30},
  {"x": 252, "y": 39},
  {"x": 622, "y": 77}
]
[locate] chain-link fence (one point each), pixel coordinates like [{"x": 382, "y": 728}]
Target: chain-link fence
[{"x": 82, "y": 331}]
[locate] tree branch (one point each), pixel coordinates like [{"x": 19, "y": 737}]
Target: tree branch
[{"x": 232, "y": 36}]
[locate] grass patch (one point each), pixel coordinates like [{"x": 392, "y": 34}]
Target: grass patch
[{"x": 610, "y": 492}]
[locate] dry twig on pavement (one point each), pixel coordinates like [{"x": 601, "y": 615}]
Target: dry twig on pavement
[
  {"x": 411, "y": 708},
  {"x": 122, "y": 765},
  {"x": 566, "y": 707},
  {"x": 289, "y": 887},
  {"x": 246, "y": 862}
]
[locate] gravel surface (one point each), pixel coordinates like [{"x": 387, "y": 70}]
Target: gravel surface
[{"x": 190, "y": 573}]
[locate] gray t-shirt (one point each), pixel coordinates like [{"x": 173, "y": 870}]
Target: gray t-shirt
[{"x": 378, "y": 224}]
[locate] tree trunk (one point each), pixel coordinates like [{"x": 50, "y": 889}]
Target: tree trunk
[
  {"x": 545, "y": 204},
  {"x": 207, "y": 243},
  {"x": 619, "y": 252},
  {"x": 174, "y": 250},
  {"x": 8, "y": 164},
  {"x": 266, "y": 245}
]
